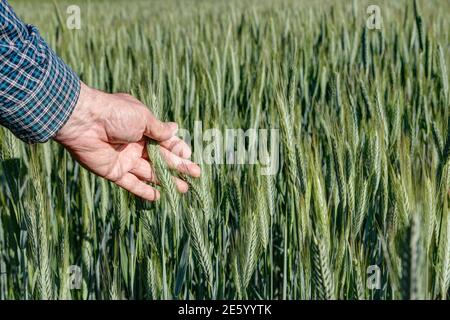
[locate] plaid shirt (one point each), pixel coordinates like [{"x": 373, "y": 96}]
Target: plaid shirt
[{"x": 38, "y": 91}]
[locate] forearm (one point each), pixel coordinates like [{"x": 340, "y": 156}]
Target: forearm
[{"x": 38, "y": 91}]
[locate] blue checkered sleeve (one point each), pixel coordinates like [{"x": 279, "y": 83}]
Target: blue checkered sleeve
[{"x": 38, "y": 91}]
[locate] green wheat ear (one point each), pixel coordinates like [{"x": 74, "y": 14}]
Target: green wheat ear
[
  {"x": 199, "y": 244},
  {"x": 159, "y": 165},
  {"x": 163, "y": 174}
]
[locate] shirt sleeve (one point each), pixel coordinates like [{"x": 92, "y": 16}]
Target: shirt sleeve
[{"x": 38, "y": 91}]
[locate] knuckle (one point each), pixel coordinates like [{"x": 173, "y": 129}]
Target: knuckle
[{"x": 113, "y": 175}]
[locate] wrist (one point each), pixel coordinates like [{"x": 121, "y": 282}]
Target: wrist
[{"x": 82, "y": 118}]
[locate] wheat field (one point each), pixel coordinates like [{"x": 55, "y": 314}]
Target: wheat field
[{"x": 358, "y": 208}]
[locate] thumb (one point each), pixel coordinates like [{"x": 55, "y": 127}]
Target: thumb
[{"x": 157, "y": 130}]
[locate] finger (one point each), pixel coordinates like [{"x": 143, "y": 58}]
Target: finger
[
  {"x": 128, "y": 155},
  {"x": 174, "y": 162},
  {"x": 182, "y": 186},
  {"x": 145, "y": 172},
  {"x": 177, "y": 146},
  {"x": 156, "y": 129},
  {"x": 131, "y": 183}
]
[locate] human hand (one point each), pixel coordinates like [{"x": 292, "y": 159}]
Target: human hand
[{"x": 107, "y": 134}]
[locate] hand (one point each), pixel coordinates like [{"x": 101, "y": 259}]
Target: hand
[{"x": 107, "y": 134}]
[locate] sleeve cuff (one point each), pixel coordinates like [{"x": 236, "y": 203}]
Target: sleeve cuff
[{"x": 48, "y": 107}]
